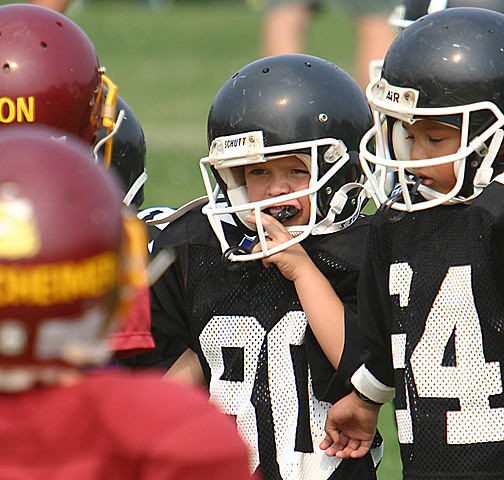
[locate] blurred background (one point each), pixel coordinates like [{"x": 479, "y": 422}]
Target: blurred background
[{"x": 169, "y": 59}]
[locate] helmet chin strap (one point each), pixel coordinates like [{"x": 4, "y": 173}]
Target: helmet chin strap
[
  {"x": 133, "y": 190},
  {"x": 483, "y": 175},
  {"x": 117, "y": 125},
  {"x": 338, "y": 202},
  {"x": 142, "y": 178}
]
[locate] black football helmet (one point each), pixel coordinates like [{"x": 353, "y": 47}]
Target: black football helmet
[
  {"x": 287, "y": 105},
  {"x": 128, "y": 152},
  {"x": 410, "y": 10},
  {"x": 447, "y": 66}
]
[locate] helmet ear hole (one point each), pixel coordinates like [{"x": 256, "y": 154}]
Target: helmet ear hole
[{"x": 352, "y": 174}]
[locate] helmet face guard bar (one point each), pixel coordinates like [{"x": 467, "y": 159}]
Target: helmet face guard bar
[
  {"x": 248, "y": 149},
  {"x": 108, "y": 120}
]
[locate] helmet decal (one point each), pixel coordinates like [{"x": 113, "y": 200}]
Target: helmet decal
[{"x": 19, "y": 234}]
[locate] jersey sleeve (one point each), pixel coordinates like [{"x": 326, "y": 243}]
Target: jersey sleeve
[
  {"x": 168, "y": 313},
  {"x": 343, "y": 252},
  {"x": 497, "y": 236},
  {"x": 329, "y": 384},
  {"x": 376, "y": 378},
  {"x": 168, "y": 308},
  {"x": 135, "y": 336}
]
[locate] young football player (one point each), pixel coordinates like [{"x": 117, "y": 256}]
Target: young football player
[
  {"x": 284, "y": 192},
  {"x": 51, "y": 76},
  {"x": 64, "y": 285},
  {"x": 430, "y": 291}
]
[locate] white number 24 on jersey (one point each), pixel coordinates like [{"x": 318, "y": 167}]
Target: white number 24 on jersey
[{"x": 472, "y": 380}]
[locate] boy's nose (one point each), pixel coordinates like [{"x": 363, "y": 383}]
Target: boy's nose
[
  {"x": 279, "y": 187},
  {"x": 417, "y": 152}
]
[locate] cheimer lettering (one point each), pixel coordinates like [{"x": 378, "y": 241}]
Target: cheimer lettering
[
  {"x": 17, "y": 110},
  {"x": 58, "y": 283},
  {"x": 235, "y": 142}
]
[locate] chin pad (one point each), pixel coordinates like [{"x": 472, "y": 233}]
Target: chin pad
[{"x": 238, "y": 196}]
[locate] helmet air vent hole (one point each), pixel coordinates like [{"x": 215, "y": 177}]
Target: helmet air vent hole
[
  {"x": 490, "y": 31},
  {"x": 445, "y": 27},
  {"x": 235, "y": 75},
  {"x": 308, "y": 64},
  {"x": 6, "y": 68},
  {"x": 43, "y": 45},
  {"x": 322, "y": 117},
  {"x": 265, "y": 70},
  {"x": 59, "y": 24}
]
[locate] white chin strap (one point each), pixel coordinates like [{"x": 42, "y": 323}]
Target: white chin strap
[
  {"x": 134, "y": 189},
  {"x": 101, "y": 142},
  {"x": 484, "y": 174},
  {"x": 338, "y": 203}
]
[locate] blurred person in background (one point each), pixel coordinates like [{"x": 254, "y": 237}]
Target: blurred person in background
[
  {"x": 286, "y": 23},
  {"x": 58, "y": 5},
  {"x": 408, "y": 11}
]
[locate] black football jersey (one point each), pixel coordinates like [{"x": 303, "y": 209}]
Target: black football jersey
[
  {"x": 259, "y": 357},
  {"x": 431, "y": 303}
]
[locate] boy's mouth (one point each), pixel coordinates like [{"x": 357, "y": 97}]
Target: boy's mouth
[{"x": 282, "y": 213}]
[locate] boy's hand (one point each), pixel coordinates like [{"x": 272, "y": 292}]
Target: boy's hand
[
  {"x": 290, "y": 261},
  {"x": 350, "y": 427}
]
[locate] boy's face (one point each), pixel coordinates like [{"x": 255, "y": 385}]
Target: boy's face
[
  {"x": 279, "y": 177},
  {"x": 430, "y": 139}
]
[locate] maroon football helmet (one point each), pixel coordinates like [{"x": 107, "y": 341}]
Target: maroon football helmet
[
  {"x": 49, "y": 72},
  {"x": 62, "y": 250}
]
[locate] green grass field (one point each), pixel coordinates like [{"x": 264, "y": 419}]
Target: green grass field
[{"x": 169, "y": 63}]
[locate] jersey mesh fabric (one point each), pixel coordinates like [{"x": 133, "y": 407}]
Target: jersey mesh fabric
[
  {"x": 446, "y": 305},
  {"x": 248, "y": 329}
]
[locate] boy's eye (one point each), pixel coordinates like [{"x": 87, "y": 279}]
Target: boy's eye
[
  {"x": 299, "y": 171},
  {"x": 256, "y": 171}
]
